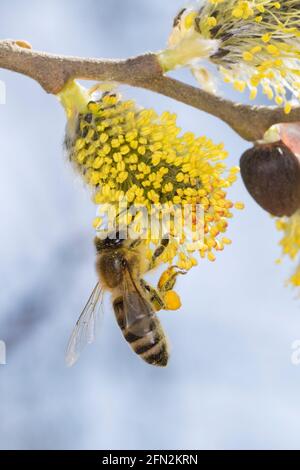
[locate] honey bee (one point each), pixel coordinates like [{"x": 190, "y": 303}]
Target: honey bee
[{"x": 120, "y": 265}]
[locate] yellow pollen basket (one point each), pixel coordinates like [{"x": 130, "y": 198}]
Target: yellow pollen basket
[{"x": 172, "y": 300}]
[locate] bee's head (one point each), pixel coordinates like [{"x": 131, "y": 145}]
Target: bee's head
[{"x": 112, "y": 240}]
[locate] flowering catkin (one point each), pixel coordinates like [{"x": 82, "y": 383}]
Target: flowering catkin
[
  {"x": 290, "y": 243},
  {"x": 290, "y": 226},
  {"x": 124, "y": 152},
  {"x": 253, "y": 43}
]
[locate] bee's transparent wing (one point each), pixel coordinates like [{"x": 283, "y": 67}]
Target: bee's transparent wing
[
  {"x": 137, "y": 308},
  {"x": 86, "y": 327}
]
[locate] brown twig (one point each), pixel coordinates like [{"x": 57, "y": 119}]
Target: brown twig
[{"x": 52, "y": 72}]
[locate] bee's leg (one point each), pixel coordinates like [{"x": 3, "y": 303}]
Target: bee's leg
[
  {"x": 153, "y": 295},
  {"x": 168, "y": 278},
  {"x": 158, "y": 252},
  {"x": 165, "y": 287}
]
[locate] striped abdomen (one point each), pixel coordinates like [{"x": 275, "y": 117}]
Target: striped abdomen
[{"x": 145, "y": 336}]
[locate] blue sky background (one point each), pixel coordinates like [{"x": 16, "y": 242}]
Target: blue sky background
[{"x": 230, "y": 383}]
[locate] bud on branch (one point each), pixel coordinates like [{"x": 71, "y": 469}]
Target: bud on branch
[{"x": 271, "y": 173}]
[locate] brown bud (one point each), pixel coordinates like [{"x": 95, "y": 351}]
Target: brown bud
[{"x": 271, "y": 174}]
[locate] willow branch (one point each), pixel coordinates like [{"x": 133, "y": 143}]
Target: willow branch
[{"x": 52, "y": 72}]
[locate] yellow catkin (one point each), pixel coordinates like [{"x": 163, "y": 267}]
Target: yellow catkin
[
  {"x": 290, "y": 243},
  {"x": 253, "y": 43},
  {"x": 129, "y": 154}
]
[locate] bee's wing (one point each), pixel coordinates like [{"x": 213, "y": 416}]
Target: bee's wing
[
  {"x": 86, "y": 326},
  {"x": 137, "y": 309}
]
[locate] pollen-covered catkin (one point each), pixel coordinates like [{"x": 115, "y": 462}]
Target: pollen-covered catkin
[
  {"x": 290, "y": 243},
  {"x": 127, "y": 153},
  {"x": 254, "y": 43}
]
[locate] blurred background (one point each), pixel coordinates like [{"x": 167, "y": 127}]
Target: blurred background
[{"x": 230, "y": 383}]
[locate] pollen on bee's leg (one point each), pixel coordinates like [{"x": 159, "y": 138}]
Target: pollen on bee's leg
[
  {"x": 172, "y": 300},
  {"x": 168, "y": 278}
]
